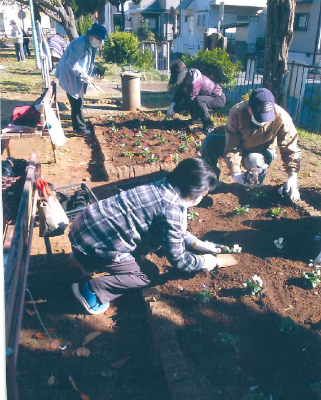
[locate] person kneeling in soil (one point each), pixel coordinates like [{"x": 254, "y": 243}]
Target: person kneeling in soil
[
  {"x": 196, "y": 93},
  {"x": 114, "y": 233},
  {"x": 254, "y": 128}
]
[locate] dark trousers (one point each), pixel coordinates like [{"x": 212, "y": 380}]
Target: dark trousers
[
  {"x": 19, "y": 52},
  {"x": 77, "y": 113},
  {"x": 26, "y": 47},
  {"x": 212, "y": 149},
  {"x": 121, "y": 276},
  {"x": 201, "y": 106}
]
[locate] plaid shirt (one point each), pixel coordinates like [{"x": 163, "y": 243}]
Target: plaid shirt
[{"x": 137, "y": 220}]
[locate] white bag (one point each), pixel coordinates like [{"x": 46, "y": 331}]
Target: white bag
[
  {"x": 56, "y": 132},
  {"x": 53, "y": 219}
]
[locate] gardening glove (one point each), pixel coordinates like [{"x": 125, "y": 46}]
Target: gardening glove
[
  {"x": 291, "y": 187},
  {"x": 170, "y": 111},
  {"x": 239, "y": 178},
  {"x": 208, "y": 247},
  {"x": 210, "y": 262}
]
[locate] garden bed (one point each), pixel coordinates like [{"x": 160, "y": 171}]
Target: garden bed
[{"x": 238, "y": 345}]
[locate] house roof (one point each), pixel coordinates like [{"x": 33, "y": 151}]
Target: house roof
[
  {"x": 152, "y": 7},
  {"x": 183, "y": 4}
]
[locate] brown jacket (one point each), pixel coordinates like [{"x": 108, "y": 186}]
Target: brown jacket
[{"x": 242, "y": 137}]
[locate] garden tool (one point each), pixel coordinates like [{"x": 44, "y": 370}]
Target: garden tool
[
  {"x": 99, "y": 89},
  {"x": 227, "y": 260}
]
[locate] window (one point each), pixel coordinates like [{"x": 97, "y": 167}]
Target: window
[
  {"x": 151, "y": 22},
  {"x": 301, "y": 22},
  {"x": 200, "y": 21},
  {"x": 242, "y": 18}
]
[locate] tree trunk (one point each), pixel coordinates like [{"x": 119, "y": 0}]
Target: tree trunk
[
  {"x": 279, "y": 34},
  {"x": 122, "y": 10}
]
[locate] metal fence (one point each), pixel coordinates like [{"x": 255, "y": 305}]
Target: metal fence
[
  {"x": 302, "y": 92},
  {"x": 160, "y": 55}
]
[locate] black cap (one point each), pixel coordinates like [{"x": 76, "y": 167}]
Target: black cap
[{"x": 262, "y": 103}]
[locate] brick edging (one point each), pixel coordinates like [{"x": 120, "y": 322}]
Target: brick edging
[
  {"x": 180, "y": 377},
  {"x": 124, "y": 172}
]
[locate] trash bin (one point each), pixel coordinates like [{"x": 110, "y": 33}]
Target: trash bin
[{"x": 130, "y": 82}]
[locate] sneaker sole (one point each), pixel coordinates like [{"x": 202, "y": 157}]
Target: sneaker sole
[{"x": 82, "y": 300}]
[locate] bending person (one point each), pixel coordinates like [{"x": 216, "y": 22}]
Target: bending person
[
  {"x": 74, "y": 72},
  {"x": 115, "y": 232},
  {"x": 255, "y": 127},
  {"x": 196, "y": 93}
]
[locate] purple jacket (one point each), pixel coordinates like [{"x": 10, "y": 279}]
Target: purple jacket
[{"x": 195, "y": 84}]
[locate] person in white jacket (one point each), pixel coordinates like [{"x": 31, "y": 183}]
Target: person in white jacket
[{"x": 17, "y": 35}]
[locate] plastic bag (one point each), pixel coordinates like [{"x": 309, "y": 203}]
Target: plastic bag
[
  {"x": 54, "y": 126},
  {"x": 53, "y": 219}
]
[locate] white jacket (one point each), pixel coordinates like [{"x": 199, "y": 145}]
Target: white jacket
[{"x": 17, "y": 34}]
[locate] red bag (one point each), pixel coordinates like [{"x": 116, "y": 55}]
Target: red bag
[{"x": 26, "y": 115}]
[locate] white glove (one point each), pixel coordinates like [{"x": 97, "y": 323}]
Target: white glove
[
  {"x": 88, "y": 79},
  {"x": 170, "y": 111},
  {"x": 239, "y": 178},
  {"x": 208, "y": 247},
  {"x": 210, "y": 262},
  {"x": 291, "y": 187}
]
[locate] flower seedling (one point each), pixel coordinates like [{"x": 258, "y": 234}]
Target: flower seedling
[
  {"x": 254, "y": 286},
  {"x": 279, "y": 243},
  {"x": 228, "y": 340},
  {"x": 145, "y": 151},
  {"x": 138, "y": 143},
  {"x": 161, "y": 141},
  {"x": 275, "y": 212},
  {"x": 123, "y": 135},
  {"x": 121, "y": 115},
  {"x": 129, "y": 155},
  {"x": 192, "y": 215},
  {"x": 158, "y": 136},
  {"x": 257, "y": 195},
  {"x": 287, "y": 326},
  {"x": 122, "y": 145},
  {"x": 152, "y": 159},
  {"x": 175, "y": 158},
  {"x": 114, "y": 129},
  {"x": 312, "y": 279},
  {"x": 240, "y": 210},
  {"x": 198, "y": 144},
  {"x": 182, "y": 147},
  {"x": 190, "y": 139},
  {"x": 203, "y": 297},
  {"x": 138, "y": 134},
  {"x": 159, "y": 113},
  {"x": 183, "y": 137},
  {"x": 235, "y": 249},
  {"x": 143, "y": 128}
]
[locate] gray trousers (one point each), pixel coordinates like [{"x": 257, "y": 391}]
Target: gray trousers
[
  {"x": 20, "y": 54},
  {"x": 121, "y": 276}
]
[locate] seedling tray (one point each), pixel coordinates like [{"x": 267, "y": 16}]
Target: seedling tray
[{"x": 69, "y": 190}]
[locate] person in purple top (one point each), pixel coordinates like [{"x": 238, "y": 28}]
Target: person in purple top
[{"x": 196, "y": 93}]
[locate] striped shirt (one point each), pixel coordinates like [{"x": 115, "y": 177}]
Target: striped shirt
[{"x": 137, "y": 221}]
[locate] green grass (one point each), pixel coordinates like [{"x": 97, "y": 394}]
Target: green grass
[
  {"x": 309, "y": 138},
  {"x": 19, "y": 76}
]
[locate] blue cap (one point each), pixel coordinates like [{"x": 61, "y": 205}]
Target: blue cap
[
  {"x": 97, "y": 30},
  {"x": 262, "y": 103}
]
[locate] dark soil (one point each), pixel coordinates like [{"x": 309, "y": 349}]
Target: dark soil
[
  {"x": 146, "y": 138},
  {"x": 240, "y": 345}
]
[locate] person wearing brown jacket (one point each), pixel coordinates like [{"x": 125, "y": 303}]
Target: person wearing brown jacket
[{"x": 255, "y": 128}]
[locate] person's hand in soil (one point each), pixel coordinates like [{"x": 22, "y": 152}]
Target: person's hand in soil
[
  {"x": 170, "y": 111},
  {"x": 291, "y": 187},
  {"x": 208, "y": 247}
]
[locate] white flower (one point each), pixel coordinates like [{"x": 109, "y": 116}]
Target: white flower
[
  {"x": 245, "y": 284},
  {"x": 279, "y": 243},
  {"x": 257, "y": 280},
  {"x": 236, "y": 248}
]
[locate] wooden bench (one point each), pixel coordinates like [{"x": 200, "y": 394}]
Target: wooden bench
[
  {"x": 16, "y": 252},
  {"x": 50, "y": 95}
]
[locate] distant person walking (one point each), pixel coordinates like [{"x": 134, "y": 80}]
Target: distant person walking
[
  {"x": 25, "y": 43},
  {"x": 17, "y": 35}
]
